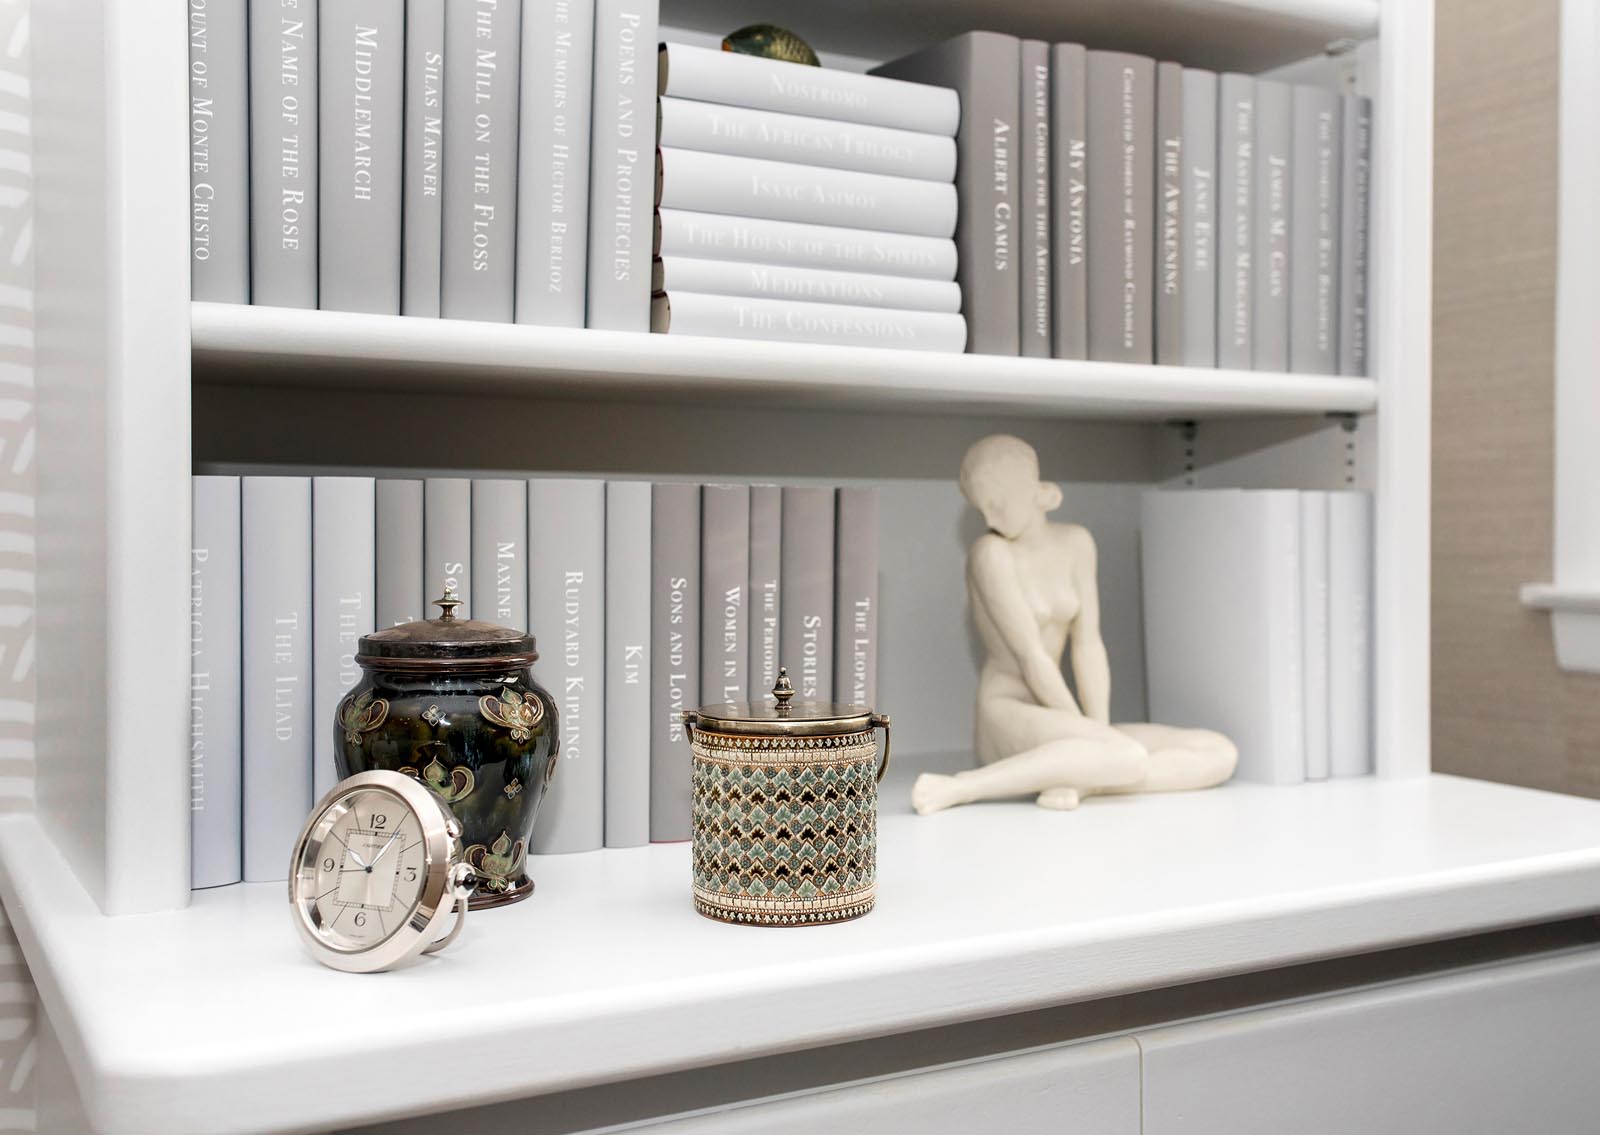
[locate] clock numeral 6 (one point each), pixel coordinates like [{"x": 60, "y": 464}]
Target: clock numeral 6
[{"x": 361, "y": 919}]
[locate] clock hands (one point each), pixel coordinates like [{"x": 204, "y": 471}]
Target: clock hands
[
  {"x": 384, "y": 848},
  {"x": 348, "y": 850}
]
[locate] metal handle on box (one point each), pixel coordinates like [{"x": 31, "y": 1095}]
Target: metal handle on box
[{"x": 882, "y": 719}]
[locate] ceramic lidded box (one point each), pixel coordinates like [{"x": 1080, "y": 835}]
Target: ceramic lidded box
[
  {"x": 785, "y": 826},
  {"x": 452, "y": 703}
]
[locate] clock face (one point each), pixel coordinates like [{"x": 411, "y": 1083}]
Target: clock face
[{"x": 362, "y": 874}]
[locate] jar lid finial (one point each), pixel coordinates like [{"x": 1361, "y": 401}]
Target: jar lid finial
[
  {"x": 783, "y": 689},
  {"x": 447, "y": 604}
]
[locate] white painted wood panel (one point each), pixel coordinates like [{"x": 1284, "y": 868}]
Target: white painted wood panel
[
  {"x": 1083, "y": 1089},
  {"x": 193, "y": 1021},
  {"x": 1499, "y": 1049},
  {"x": 1401, "y": 333},
  {"x": 1087, "y": 1088},
  {"x": 276, "y": 346},
  {"x": 112, "y": 363}
]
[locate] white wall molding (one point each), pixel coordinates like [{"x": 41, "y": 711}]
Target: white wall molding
[{"x": 1573, "y": 597}]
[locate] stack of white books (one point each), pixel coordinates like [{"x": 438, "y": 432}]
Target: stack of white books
[
  {"x": 804, "y": 203},
  {"x": 647, "y": 599},
  {"x": 1258, "y": 621}
]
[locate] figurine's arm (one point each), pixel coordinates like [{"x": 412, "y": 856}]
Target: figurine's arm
[
  {"x": 994, "y": 585},
  {"x": 1091, "y": 670}
]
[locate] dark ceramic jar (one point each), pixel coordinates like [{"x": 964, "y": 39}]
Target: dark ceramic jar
[{"x": 452, "y": 703}]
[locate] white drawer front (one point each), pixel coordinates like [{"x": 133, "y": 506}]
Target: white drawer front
[
  {"x": 1508, "y": 1048},
  {"x": 1082, "y": 1089}
]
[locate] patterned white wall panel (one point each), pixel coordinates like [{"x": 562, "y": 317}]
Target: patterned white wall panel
[{"x": 17, "y": 1024}]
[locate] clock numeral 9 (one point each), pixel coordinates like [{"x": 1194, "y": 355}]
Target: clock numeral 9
[{"x": 328, "y": 864}]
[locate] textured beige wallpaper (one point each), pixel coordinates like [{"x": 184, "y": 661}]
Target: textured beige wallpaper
[{"x": 1501, "y": 708}]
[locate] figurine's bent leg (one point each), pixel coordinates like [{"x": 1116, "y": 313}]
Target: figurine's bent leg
[
  {"x": 1180, "y": 759},
  {"x": 1082, "y": 755}
]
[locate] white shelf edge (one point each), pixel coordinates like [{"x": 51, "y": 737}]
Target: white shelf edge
[
  {"x": 1574, "y": 622},
  {"x": 275, "y": 346},
  {"x": 193, "y": 1021}
]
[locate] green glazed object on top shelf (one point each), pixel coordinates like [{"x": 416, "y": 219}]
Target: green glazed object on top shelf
[{"x": 771, "y": 42}]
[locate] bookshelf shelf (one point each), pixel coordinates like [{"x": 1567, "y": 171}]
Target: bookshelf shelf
[
  {"x": 285, "y": 347},
  {"x": 1249, "y": 35},
  {"x": 193, "y": 1021}
]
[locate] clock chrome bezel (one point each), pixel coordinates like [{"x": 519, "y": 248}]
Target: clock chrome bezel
[{"x": 424, "y": 925}]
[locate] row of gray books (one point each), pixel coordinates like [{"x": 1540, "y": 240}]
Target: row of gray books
[
  {"x": 1119, "y": 209},
  {"x": 424, "y": 158},
  {"x": 802, "y": 203},
  {"x": 1258, "y": 624},
  {"x": 663, "y": 596}
]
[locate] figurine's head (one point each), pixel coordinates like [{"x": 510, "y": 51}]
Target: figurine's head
[{"x": 1000, "y": 478}]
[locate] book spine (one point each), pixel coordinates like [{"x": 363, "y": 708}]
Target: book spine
[
  {"x": 343, "y": 573},
  {"x": 500, "y": 552},
  {"x": 739, "y": 317},
  {"x": 622, "y": 156},
  {"x": 1236, "y": 134},
  {"x": 714, "y": 237},
  {"x": 747, "y": 133},
  {"x": 1171, "y": 205},
  {"x": 423, "y": 158},
  {"x": 553, "y": 173},
  {"x": 399, "y": 556},
  {"x": 1199, "y": 229},
  {"x": 985, "y": 69},
  {"x": 1314, "y": 224},
  {"x": 283, "y": 154},
  {"x": 806, "y": 635},
  {"x": 707, "y": 75},
  {"x": 219, "y": 152},
  {"x": 1070, "y": 191},
  {"x": 362, "y": 106},
  {"x": 1034, "y": 194},
  {"x": 1286, "y": 763},
  {"x": 215, "y": 762},
  {"x": 1121, "y": 118},
  {"x": 478, "y": 246},
  {"x": 566, "y": 600},
  {"x": 785, "y": 191},
  {"x": 855, "y": 620},
  {"x": 766, "y": 534},
  {"x": 627, "y": 662},
  {"x": 275, "y": 566},
  {"x": 1314, "y": 629},
  {"x": 724, "y": 601},
  {"x": 1269, "y": 349},
  {"x": 811, "y": 285},
  {"x": 1355, "y": 213},
  {"x": 674, "y": 653},
  {"x": 1349, "y": 634},
  {"x": 447, "y": 543}
]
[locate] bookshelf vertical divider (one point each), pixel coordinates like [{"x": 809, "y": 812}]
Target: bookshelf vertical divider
[
  {"x": 115, "y": 440},
  {"x": 112, "y": 380},
  {"x": 1401, "y": 325}
]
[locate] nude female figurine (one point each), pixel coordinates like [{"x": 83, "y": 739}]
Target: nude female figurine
[{"x": 1032, "y": 587}]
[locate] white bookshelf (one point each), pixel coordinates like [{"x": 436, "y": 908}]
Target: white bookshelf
[
  {"x": 262, "y": 345},
  {"x": 146, "y": 1008},
  {"x": 192, "y": 1022}
]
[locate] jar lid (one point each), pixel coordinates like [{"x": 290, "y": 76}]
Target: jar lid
[
  {"x": 782, "y": 716},
  {"x": 447, "y": 643}
]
